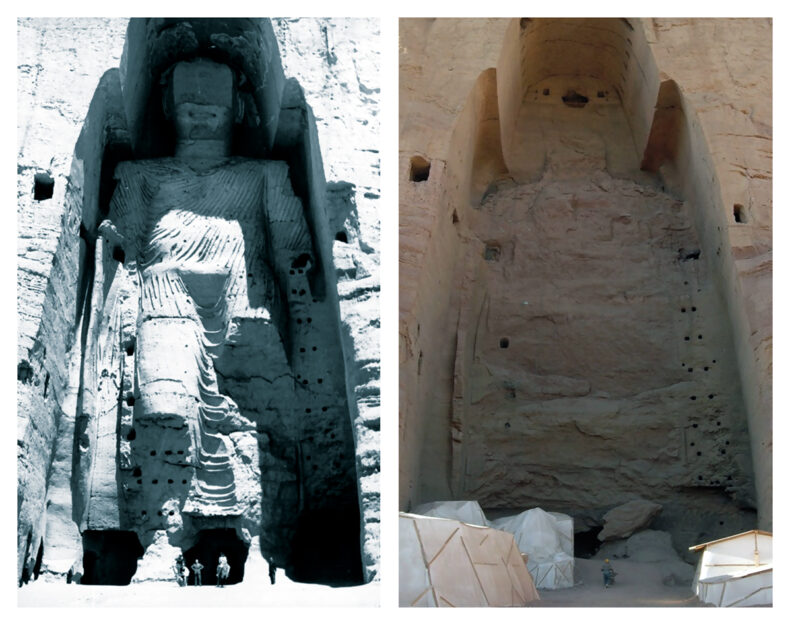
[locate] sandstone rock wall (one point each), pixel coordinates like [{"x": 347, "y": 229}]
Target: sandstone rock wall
[
  {"x": 345, "y": 94},
  {"x": 57, "y": 81},
  {"x": 568, "y": 155},
  {"x": 61, "y": 62}
]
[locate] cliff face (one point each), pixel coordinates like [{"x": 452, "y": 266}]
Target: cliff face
[
  {"x": 585, "y": 267},
  {"x": 72, "y": 129}
]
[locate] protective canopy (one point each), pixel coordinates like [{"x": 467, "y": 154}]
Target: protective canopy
[
  {"x": 736, "y": 571},
  {"x": 464, "y": 511},
  {"x": 546, "y": 540},
  {"x": 446, "y": 563}
]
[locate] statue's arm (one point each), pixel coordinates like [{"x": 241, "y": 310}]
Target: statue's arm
[
  {"x": 127, "y": 207},
  {"x": 289, "y": 236}
]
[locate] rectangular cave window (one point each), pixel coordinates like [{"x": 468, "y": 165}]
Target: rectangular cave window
[
  {"x": 43, "y": 186},
  {"x": 739, "y": 214},
  {"x": 492, "y": 251},
  {"x": 419, "y": 169}
]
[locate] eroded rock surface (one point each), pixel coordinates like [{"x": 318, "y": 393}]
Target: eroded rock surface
[{"x": 626, "y": 519}]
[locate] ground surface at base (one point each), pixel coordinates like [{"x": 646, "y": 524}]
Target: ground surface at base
[
  {"x": 167, "y": 594},
  {"x": 638, "y": 584}
]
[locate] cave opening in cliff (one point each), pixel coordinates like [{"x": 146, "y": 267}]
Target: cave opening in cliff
[
  {"x": 110, "y": 557},
  {"x": 211, "y": 543},
  {"x": 43, "y": 186},
  {"x": 419, "y": 169},
  {"x": 586, "y": 543},
  {"x": 326, "y": 546}
]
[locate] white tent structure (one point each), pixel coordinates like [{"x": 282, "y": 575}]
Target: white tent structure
[
  {"x": 546, "y": 540},
  {"x": 465, "y": 511},
  {"x": 447, "y": 563},
  {"x": 736, "y": 571}
]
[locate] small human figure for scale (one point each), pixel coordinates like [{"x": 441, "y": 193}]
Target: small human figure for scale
[
  {"x": 607, "y": 573},
  {"x": 178, "y": 570},
  {"x": 272, "y": 569},
  {"x": 223, "y": 569},
  {"x": 197, "y": 567}
]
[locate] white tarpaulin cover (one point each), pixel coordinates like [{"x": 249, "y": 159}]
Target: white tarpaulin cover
[
  {"x": 445, "y": 563},
  {"x": 547, "y": 541},
  {"x": 736, "y": 571},
  {"x": 465, "y": 511}
]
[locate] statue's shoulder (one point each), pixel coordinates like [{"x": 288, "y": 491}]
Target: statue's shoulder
[
  {"x": 163, "y": 168},
  {"x": 255, "y": 165},
  {"x": 153, "y": 168}
]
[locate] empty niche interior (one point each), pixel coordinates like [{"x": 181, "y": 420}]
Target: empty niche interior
[{"x": 594, "y": 354}]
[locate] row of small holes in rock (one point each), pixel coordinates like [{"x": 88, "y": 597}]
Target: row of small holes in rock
[
  {"x": 159, "y": 513},
  {"x": 705, "y": 368},
  {"x": 304, "y": 381},
  {"x": 156, "y": 481},
  {"x": 713, "y": 482},
  {"x": 698, "y": 453}
]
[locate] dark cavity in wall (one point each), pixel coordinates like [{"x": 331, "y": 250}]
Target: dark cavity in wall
[
  {"x": 419, "y": 169},
  {"x": 573, "y": 99},
  {"x": 110, "y": 557},
  {"x": 43, "y": 186},
  {"x": 326, "y": 546},
  {"x": 492, "y": 251},
  {"x": 739, "y": 214},
  {"x": 211, "y": 543},
  {"x": 24, "y": 371},
  {"x": 586, "y": 543}
]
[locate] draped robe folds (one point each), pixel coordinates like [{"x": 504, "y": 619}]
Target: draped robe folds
[{"x": 201, "y": 249}]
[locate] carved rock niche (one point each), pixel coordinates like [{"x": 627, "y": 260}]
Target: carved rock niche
[{"x": 211, "y": 412}]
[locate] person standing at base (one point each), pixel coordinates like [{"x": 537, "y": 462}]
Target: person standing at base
[
  {"x": 223, "y": 569},
  {"x": 178, "y": 570},
  {"x": 607, "y": 573},
  {"x": 272, "y": 569},
  {"x": 196, "y": 569}
]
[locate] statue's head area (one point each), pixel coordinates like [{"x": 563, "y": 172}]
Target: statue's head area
[{"x": 200, "y": 102}]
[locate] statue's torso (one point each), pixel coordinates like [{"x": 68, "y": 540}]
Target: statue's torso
[{"x": 197, "y": 232}]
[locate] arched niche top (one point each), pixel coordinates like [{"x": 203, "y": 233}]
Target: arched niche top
[
  {"x": 663, "y": 142},
  {"x": 600, "y": 48},
  {"x": 488, "y": 164},
  {"x": 247, "y": 45}
]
